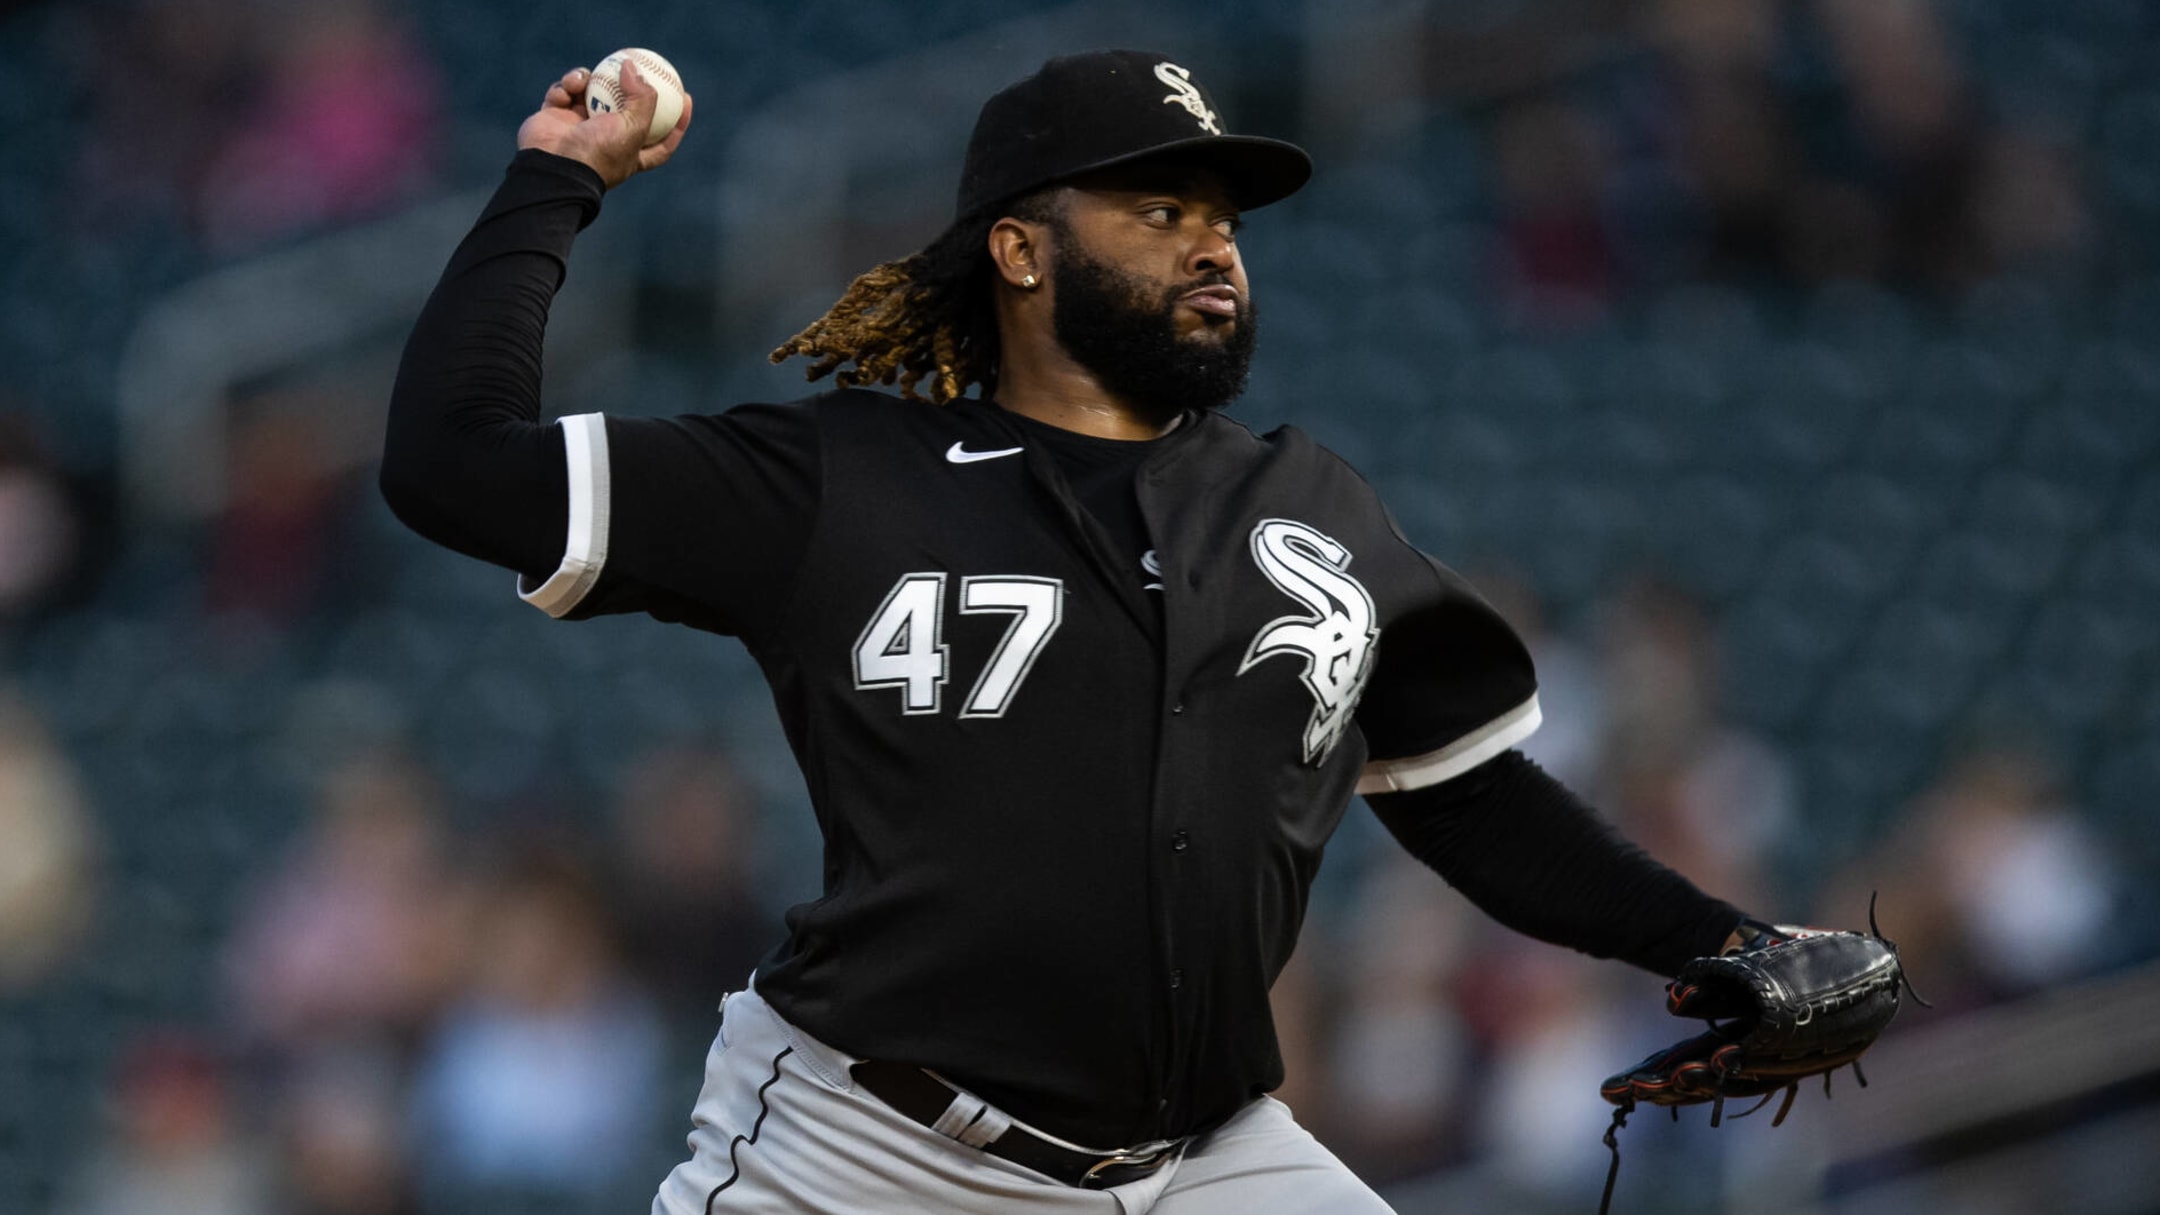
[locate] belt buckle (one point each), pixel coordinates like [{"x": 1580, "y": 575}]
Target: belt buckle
[{"x": 1147, "y": 1158}]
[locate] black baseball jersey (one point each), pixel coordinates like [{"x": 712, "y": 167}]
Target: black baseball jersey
[
  {"x": 1077, "y": 717},
  {"x": 1072, "y": 796}
]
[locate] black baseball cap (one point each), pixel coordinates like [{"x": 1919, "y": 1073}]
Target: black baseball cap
[{"x": 1104, "y": 108}]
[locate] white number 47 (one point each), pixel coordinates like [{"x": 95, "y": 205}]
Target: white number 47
[{"x": 904, "y": 647}]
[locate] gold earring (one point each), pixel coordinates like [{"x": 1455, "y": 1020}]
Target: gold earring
[{"x": 1029, "y": 281}]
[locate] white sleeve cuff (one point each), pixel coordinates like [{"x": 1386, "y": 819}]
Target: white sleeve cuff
[
  {"x": 1456, "y": 758},
  {"x": 585, "y": 548}
]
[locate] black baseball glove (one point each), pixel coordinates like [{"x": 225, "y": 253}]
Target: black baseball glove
[{"x": 1785, "y": 1005}]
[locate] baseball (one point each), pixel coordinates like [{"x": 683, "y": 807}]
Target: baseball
[{"x": 604, "y": 93}]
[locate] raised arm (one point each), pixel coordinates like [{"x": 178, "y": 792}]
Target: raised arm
[{"x": 466, "y": 461}]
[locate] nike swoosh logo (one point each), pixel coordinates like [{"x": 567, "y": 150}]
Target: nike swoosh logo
[{"x": 961, "y": 455}]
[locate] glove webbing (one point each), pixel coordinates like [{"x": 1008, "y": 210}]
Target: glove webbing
[
  {"x": 1721, "y": 1063},
  {"x": 1717, "y": 1111}
]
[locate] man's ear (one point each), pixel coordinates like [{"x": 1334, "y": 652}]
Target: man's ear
[{"x": 1019, "y": 251}]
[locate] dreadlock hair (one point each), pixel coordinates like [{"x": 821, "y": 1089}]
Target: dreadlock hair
[{"x": 928, "y": 314}]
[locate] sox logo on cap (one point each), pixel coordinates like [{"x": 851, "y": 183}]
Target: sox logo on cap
[
  {"x": 1187, "y": 94},
  {"x": 1098, "y": 109}
]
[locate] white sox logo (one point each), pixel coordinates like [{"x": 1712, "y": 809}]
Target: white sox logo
[
  {"x": 1335, "y": 640},
  {"x": 1187, "y": 94}
]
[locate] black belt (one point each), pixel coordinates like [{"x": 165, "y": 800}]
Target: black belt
[{"x": 925, "y": 1098}]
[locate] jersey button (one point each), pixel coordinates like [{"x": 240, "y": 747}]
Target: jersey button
[
  {"x": 1180, "y": 842},
  {"x": 1177, "y": 708},
  {"x": 1177, "y": 979}
]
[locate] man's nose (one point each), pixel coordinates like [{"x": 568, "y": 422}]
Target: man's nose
[{"x": 1213, "y": 252}]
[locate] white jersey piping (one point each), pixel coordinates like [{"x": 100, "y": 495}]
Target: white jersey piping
[
  {"x": 1456, "y": 758},
  {"x": 585, "y": 450}
]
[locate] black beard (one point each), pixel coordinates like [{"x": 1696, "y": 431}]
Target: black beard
[{"x": 1118, "y": 328}]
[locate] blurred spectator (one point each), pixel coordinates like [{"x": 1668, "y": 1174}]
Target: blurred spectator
[
  {"x": 1965, "y": 198},
  {"x": 1722, "y": 129},
  {"x": 173, "y": 1149},
  {"x": 1550, "y": 168},
  {"x": 1837, "y": 140},
  {"x": 169, "y": 73},
  {"x": 1547, "y": 1025},
  {"x": 41, "y": 529},
  {"x": 272, "y": 551},
  {"x": 1702, "y": 795},
  {"x": 1991, "y": 885},
  {"x": 246, "y": 122},
  {"x": 540, "y": 1084},
  {"x": 2026, "y": 204},
  {"x": 341, "y": 1138},
  {"x": 1915, "y": 136},
  {"x": 355, "y": 933},
  {"x": 2033, "y": 887},
  {"x": 1569, "y": 692},
  {"x": 47, "y": 849},
  {"x": 1401, "y": 1048},
  {"x": 343, "y": 122},
  {"x": 688, "y": 849}
]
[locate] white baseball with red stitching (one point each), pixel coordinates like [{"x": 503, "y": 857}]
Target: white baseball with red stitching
[{"x": 604, "y": 93}]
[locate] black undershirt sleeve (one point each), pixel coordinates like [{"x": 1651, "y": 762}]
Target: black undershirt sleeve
[
  {"x": 701, "y": 518},
  {"x": 1525, "y": 850},
  {"x": 466, "y": 461}
]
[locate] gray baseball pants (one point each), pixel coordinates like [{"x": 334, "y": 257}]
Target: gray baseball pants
[{"x": 779, "y": 1130}]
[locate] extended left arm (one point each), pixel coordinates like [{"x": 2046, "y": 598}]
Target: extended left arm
[{"x": 1528, "y": 852}]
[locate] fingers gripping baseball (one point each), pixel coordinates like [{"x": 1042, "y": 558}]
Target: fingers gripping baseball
[{"x": 612, "y": 144}]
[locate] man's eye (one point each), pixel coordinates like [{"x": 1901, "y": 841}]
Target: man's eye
[
  {"x": 1230, "y": 226},
  {"x": 1164, "y": 214}
]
